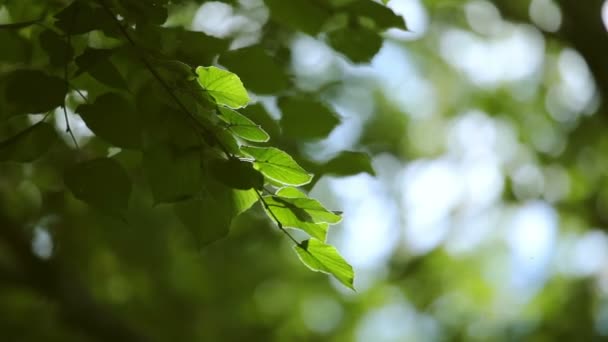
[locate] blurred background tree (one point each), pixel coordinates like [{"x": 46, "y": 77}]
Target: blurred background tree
[{"x": 483, "y": 219}]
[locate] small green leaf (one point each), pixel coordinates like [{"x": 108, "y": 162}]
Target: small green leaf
[
  {"x": 325, "y": 258},
  {"x": 81, "y": 17},
  {"x": 225, "y": 87},
  {"x": 173, "y": 174},
  {"x": 237, "y": 174},
  {"x": 33, "y": 92},
  {"x": 348, "y": 163},
  {"x": 98, "y": 64},
  {"x": 303, "y": 208},
  {"x": 383, "y": 17},
  {"x": 306, "y": 118},
  {"x": 56, "y": 47},
  {"x": 241, "y": 126},
  {"x": 300, "y": 15},
  {"x": 209, "y": 215},
  {"x": 102, "y": 183},
  {"x": 277, "y": 165},
  {"x": 292, "y": 217},
  {"x": 196, "y": 47},
  {"x": 112, "y": 118},
  {"x": 29, "y": 144},
  {"x": 359, "y": 44}
]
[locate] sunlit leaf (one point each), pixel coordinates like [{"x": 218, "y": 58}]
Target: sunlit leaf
[
  {"x": 101, "y": 183},
  {"x": 304, "y": 209},
  {"x": 325, "y": 258},
  {"x": 225, "y": 87},
  {"x": 277, "y": 165},
  {"x": 291, "y": 216},
  {"x": 241, "y": 126}
]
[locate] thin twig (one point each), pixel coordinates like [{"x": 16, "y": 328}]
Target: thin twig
[
  {"x": 86, "y": 100},
  {"x": 68, "y": 129},
  {"x": 275, "y": 218},
  {"x": 162, "y": 82}
]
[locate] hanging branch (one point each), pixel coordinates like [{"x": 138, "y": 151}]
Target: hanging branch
[
  {"x": 209, "y": 136},
  {"x": 68, "y": 49}
]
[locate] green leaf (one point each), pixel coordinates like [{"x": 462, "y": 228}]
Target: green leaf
[
  {"x": 97, "y": 63},
  {"x": 267, "y": 77},
  {"x": 237, "y": 174},
  {"x": 197, "y": 48},
  {"x": 325, "y": 258},
  {"x": 144, "y": 12},
  {"x": 102, "y": 183},
  {"x": 173, "y": 174},
  {"x": 56, "y": 47},
  {"x": 259, "y": 115},
  {"x": 300, "y": 15},
  {"x": 291, "y": 216},
  {"x": 348, "y": 163},
  {"x": 33, "y": 92},
  {"x": 15, "y": 48},
  {"x": 225, "y": 87},
  {"x": 303, "y": 208},
  {"x": 29, "y": 144},
  {"x": 209, "y": 215},
  {"x": 113, "y": 119},
  {"x": 306, "y": 118},
  {"x": 82, "y": 17},
  {"x": 241, "y": 126},
  {"x": 382, "y": 16},
  {"x": 359, "y": 44},
  {"x": 277, "y": 165}
]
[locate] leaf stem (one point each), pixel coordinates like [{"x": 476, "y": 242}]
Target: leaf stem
[
  {"x": 276, "y": 219},
  {"x": 68, "y": 48}
]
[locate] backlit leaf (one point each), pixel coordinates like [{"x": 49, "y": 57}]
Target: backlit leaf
[
  {"x": 325, "y": 258},
  {"x": 225, "y": 87},
  {"x": 241, "y": 126},
  {"x": 277, "y": 165}
]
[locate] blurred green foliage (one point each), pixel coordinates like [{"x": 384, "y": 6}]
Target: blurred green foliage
[{"x": 139, "y": 210}]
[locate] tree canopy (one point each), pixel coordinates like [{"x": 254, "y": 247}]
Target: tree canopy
[{"x": 170, "y": 170}]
